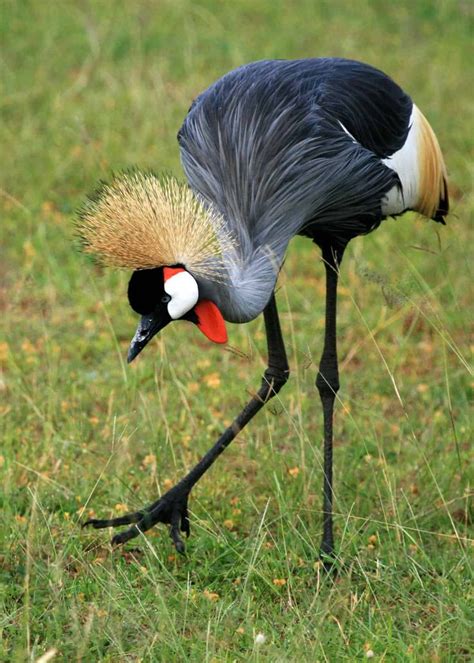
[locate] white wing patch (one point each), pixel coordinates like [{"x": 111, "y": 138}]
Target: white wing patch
[
  {"x": 184, "y": 293},
  {"x": 405, "y": 162}
]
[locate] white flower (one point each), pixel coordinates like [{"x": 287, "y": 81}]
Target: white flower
[{"x": 260, "y": 639}]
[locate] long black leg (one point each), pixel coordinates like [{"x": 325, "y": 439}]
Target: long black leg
[
  {"x": 327, "y": 383},
  {"x": 172, "y": 507}
]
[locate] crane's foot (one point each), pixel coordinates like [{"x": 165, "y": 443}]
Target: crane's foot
[
  {"x": 328, "y": 563},
  {"x": 171, "y": 508},
  {"x": 327, "y": 555}
]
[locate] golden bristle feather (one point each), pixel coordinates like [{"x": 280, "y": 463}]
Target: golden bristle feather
[
  {"x": 433, "y": 176},
  {"x": 138, "y": 221}
]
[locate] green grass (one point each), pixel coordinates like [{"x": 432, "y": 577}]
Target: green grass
[{"x": 90, "y": 87}]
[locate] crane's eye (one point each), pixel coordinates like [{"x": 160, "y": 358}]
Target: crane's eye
[{"x": 165, "y": 299}]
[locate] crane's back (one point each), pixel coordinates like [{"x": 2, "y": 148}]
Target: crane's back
[
  {"x": 263, "y": 141},
  {"x": 319, "y": 147}
]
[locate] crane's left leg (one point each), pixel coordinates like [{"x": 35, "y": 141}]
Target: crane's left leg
[
  {"x": 172, "y": 507},
  {"x": 327, "y": 383}
]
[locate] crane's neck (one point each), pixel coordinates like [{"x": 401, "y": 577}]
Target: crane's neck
[{"x": 246, "y": 288}]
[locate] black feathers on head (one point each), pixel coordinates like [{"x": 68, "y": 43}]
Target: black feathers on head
[{"x": 145, "y": 290}]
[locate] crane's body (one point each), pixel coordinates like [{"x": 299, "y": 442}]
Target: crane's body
[{"x": 325, "y": 148}]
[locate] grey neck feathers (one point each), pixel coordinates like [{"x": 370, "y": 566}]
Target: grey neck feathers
[{"x": 245, "y": 289}]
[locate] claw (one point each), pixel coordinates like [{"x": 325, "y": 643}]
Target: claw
[
  {"x": 171, "y": 509},
  {"x": 174, "y": 531},
  {"x": 125, "y": 536},
  {"x": 180, "y": 547},
  {"x": 177, "y": 540},
  {"x": 185, "y": 526}
]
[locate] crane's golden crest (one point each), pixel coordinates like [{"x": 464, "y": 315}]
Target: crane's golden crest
[{"x": 140, "y": 222}]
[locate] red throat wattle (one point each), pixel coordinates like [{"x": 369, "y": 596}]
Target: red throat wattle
[{"x": 210, "y": 320}]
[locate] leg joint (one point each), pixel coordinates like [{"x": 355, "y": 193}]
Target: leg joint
[
  {"x": 273, "y": 380},
  {"x": 327, "y": 380}
]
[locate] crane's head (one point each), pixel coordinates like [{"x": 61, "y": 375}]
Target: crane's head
[
  {"x": 164, "y": 294},
  {"x": 169, "y": 237}
]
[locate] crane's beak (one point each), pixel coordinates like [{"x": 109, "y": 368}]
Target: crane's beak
[{"x": 148, "y": 326}]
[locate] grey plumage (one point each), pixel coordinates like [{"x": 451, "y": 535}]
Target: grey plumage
[{"x": 261, "y": 150}]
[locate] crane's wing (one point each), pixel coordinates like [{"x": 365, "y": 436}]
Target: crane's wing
[
  {"x": 382, "y": 117},
  {"x": 370, "y": 105},
  {"x": 283, "y": 146}
]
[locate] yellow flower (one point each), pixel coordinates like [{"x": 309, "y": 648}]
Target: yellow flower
[
  {"x": 3, "y": 351},
  {"x": 47, "y": 207},
  {"x": 212, "y": 380},
  {"x": 28, "y": 347},
  {"x": 28, "y": 249},
  {"x": 150, "y": 459}
]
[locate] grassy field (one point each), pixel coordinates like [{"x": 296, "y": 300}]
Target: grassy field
[{"x": 88, "y": 87}]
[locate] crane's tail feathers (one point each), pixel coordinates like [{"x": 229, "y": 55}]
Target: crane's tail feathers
[{"x": 433, "y": 199}]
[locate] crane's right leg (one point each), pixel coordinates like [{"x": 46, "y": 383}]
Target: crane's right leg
[
  {"x": 172, "y": 507},
  {"x": 327, "y": 383}
]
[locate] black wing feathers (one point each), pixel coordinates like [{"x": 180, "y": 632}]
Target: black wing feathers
[
  {"x": 370, "y": 105},
  {"x": 373, "y": 108},
  {"x": 265, "y": 145}
]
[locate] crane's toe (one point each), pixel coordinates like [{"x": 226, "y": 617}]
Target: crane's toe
[
  {"x": 171, "y": 509},
  {"x": 128, "y": 519},
  {"x": 123, "y": 537}
]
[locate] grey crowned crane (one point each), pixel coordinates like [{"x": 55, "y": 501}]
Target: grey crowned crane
[{"x": 325, "y": 148}]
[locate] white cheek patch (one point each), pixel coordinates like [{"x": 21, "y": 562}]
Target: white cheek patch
[
  {"x": 184, "y": 293},
  {"x": 405, "y": 162}
]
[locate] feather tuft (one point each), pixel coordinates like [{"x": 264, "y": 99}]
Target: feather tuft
[
  {"x": 140, "y": 222},
  {"x": 433, "y": 196}
]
